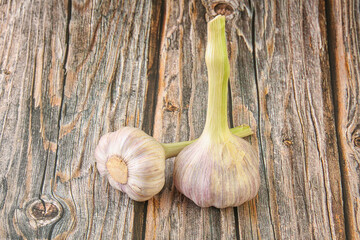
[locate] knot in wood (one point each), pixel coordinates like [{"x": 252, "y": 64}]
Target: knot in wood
[
  {"x": 5, "y": 71},
  {"x": 223, "y": 9},
  {"x": 170, "y": 107},
  {"x": 287, "y": 142},
  {"x": 357, "y": 141},
  {"x": 43, "y": 212}
]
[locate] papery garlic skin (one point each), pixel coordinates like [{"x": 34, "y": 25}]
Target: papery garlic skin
[
  {"x": 218, "y": 174},
  {"x": 143, "y": 156},
  {"x": 219, "y": 169}
]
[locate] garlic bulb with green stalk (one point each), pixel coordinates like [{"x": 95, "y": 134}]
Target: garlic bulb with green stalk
[
  {"x": 134, "y": 162},
  {"x": 219, "y": 169}
]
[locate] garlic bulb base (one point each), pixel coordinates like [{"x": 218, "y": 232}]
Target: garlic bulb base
[{"x": 117, "y": 169}]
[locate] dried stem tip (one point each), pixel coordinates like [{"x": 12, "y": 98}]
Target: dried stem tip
[{"x": 117, "y": 169}]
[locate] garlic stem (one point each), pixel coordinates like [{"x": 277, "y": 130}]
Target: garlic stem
[
  {"x": 217, "y": 62},
  {"x": 173, "y": 149},
  {"x": 218, "y": 66}
]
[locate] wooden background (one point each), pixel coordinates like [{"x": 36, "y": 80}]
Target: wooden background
[{"x": 73, "y": 70}]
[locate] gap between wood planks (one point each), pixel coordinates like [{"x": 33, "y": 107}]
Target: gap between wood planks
[
  {"x": 155, "y": 36},
  {"x": 336, "y": 54}
]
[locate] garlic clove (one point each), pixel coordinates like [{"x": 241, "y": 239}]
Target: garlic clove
[{"x": 133, "y": 162}]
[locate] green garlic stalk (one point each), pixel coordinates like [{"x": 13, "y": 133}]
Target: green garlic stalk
[
  {"x": 173, "y": 149},
  {"x": 219, "y": 169}
]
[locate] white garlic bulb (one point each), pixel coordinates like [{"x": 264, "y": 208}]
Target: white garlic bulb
[
  {"x": 133, "y": 162},
  {"x": 217, "y": 173},
  {"x": 220, "y": 169}
]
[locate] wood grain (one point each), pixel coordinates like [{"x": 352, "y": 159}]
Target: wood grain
[
  {"x": 73, "y": 70},
  {"x": 344, "y": 31},
  {"x": 180, "y": 115},
  {"x": 280, "y": 82},
  {"x": 33, "y": 49},
  {"x": 105, "y": 89},
  {"x": 296, "y": 121}
]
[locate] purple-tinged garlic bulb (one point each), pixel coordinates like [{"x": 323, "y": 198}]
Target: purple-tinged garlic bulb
[
  {"x": 220, "y": 173},
  {"x": 219, "y": 169}
]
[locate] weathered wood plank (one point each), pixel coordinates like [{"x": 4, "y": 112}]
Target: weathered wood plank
[
  {"x": 254, "y": 217},
  {"x": 73, "y": 70},
  {"x": 33, "y": 47},
  {"x": 180, "y": 115},
  {"x": 344, "y": 31},
  {"x": 70, "y": 72},
  {"x": 296, "y": 122},
  {"x": 105, "y": 89}
]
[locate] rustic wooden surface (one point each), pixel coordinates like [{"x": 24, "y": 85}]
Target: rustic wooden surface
[
  {"x": 73, "y": 70},
  {"x": 344, "y": 32}
]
